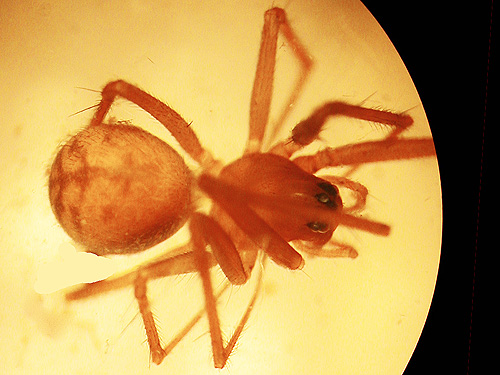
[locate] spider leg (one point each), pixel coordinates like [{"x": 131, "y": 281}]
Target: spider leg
[
  {"x": 367, "y": 152},
  {"x": 275, "y": 21},
  {"x": 179, "y": 128},
  {"x": 309, "y": 129},
  {"x": 157, "y": 352},
  {"x": 333, "y": 249},
  {"x": 178, "y": 261},
  {"x": 182, "y": 260},
  {"x": 201, "y": 227},
  {"x": 140, "y": 289},
  {"x": 360, "y": 193},
  {"x": 222, "y": 247},
  {"x": 359, "y": 190},
  {"x": 233, "y": 201}
]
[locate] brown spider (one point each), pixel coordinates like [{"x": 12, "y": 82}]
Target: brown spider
[{"x": 117, "y": 189}]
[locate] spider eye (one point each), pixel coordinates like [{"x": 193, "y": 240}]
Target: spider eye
[
  {"x": 318, "y": 226},
  {"x": 329, "y": 196},
  {"x": 325, "y": 199}
]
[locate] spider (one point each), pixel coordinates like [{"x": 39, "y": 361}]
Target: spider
[{"x": 117, "y": 189}]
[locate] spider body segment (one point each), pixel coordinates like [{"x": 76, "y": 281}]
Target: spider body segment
[
  {"x": 117, "y": 189},
  {"x": 280, "y": 180}
]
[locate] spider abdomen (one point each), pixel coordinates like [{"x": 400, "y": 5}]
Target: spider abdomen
[{"x": 119, "y": 189}]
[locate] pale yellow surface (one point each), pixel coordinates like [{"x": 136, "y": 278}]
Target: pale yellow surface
[{"x": 361, "y": 316}]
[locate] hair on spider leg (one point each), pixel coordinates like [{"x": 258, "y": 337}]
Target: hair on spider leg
[
  {"x": 88, "y": 108},
  {"x": 113, "y": 341},
  {"x": 302, "y": 270},
  {"x": 390, "y": 120},
  {"x": 158, "y": 328},
  {"x": 132, "y": 320},
  {"x": 363, "y": 102},
  {"x": 400, "y": 120},
  {"x": 88, "y": 89},
  {"x": 230, "y": 294},
  {"x": 83, "y": 110}
]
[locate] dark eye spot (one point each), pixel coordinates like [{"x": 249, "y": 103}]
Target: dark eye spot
[
  {"x": 318, "y": 226},
  {"x": 328, "y": 197},
  {"x": 329, "y": 188}
]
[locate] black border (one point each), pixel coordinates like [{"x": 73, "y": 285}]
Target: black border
[{"x": 448, "y": 52}]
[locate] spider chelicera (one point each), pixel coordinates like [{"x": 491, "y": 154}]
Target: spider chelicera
[{"x": 117, "y": 189}]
